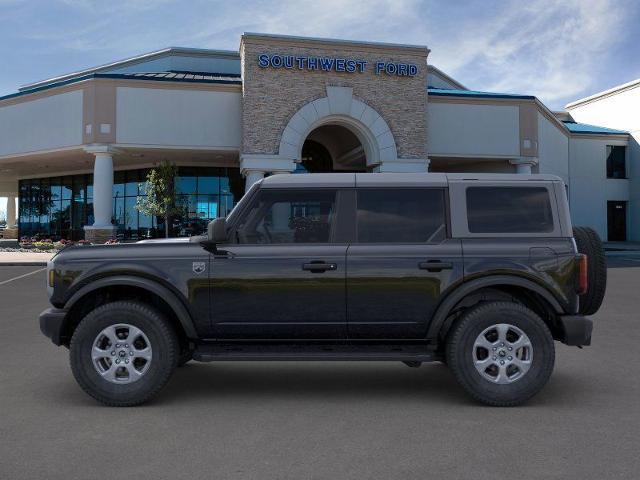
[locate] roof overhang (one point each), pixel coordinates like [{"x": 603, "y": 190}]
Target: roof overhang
[{"x": 145, "y": 57}]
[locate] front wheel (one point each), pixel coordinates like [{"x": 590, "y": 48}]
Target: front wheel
[
  {"x": 123, "y": 353},
  {"x": 501, "y": 353}
]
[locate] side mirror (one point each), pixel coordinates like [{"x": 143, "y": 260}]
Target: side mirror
[{"x": 217, "y": 230}]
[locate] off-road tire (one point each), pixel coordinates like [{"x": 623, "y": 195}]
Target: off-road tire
[
  {"x": 589, "y": 243},
  {"x": 459, "y": 353},
  {"x": 161, "y": 336}
]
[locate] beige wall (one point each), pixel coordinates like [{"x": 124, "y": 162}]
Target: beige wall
[
  {"x": 172, "y": 117},
  {"x": 272, "y": 96},
  {"x": 46, "y": 123},
  {"x": 473, "y": 129}
]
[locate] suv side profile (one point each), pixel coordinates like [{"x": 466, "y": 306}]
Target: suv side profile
[{"x": 479, "y": 271}]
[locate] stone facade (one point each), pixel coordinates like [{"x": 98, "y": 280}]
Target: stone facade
[{"x": 272, "y": 96}]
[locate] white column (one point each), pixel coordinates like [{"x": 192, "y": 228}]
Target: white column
[
  {"x": 11, "y": 212},
  {"x": 102, "y": 229},
  {"x": 103, "y": 190},
  {"x": 251, "y": 177},
  {"x": 524, "y": 164},
  {"x": 281, "y": 212}
]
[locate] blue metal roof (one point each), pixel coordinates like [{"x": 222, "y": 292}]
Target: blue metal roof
[
  {"x": 575, "y": 127},
  {"x": 444, "y": 92},
  {"x": 188, "y": 77}
]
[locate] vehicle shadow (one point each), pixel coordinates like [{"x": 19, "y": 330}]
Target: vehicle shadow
[
  {"x": 306, "y": 380},
  {"x": 430, "y": 384}
]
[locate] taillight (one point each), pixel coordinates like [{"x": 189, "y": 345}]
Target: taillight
[{"x": 583, "y": 279}]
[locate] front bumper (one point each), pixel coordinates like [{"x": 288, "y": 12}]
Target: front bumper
[
  {"x": 576, "y": 330},
  {"x": 52, "y": 323}
]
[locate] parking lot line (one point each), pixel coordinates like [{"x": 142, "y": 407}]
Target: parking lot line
[{"x": 22, "y": 276}]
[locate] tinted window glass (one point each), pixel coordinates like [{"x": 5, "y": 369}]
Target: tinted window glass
[
  {"x": 400, "y": 216},
  {"x": 616, "y": 167},
  {"x": 289, "y": 217},
  {"x": 509, "y": 210}
]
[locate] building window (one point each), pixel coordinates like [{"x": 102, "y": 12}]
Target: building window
[
  {"x": 60, "y": 207},
  {"x": 616, "y": 161}
]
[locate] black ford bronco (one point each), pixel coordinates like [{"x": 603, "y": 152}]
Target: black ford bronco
[{"x": 481, "y": 272}]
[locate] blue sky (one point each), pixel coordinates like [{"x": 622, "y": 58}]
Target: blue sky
[{"x": 557, "y": 50}]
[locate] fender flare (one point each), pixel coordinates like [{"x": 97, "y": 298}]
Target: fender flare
[
  {"x": 452, "y": 299},
  {"x": 174, "y": 302}
]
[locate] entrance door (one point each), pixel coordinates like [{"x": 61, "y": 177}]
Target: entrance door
[
  {"x": 285, "y": 276},
  {"x": 617, "y": 221},
  {"x": 401, "y": 262}
]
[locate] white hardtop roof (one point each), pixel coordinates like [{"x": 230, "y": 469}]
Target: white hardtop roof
[{"x": 394, "y": 179}]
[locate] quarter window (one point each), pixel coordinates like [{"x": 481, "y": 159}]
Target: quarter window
[
  {"x": 289, "y": 217},
  {"x": 509, "y": 210},
  {"x": 616, "y": 164},
  {"x": 401, "y": 216}
]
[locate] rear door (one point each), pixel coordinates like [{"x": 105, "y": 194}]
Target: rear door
[{"x": 401, "y": 261}]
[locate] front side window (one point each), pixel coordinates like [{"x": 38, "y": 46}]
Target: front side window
[
  {"x": 289, "y": 216},
  {"x": 616, "y": 165},
  {"x": 509, "y": 210},
  {"x": 388, "y": 215}
]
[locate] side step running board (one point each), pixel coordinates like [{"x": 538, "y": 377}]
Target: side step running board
[{"x": 309, "y": 352}]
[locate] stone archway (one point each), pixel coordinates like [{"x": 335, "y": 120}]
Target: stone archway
[{"x": 340, "y": 108}]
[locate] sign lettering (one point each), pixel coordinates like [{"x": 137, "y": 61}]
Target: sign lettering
[{"x": 332, "y": 64}]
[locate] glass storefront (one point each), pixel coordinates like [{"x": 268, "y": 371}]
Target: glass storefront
[{"x": 59, "y": 207}]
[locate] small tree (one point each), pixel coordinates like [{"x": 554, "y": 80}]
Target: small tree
[{"x": 160, "y": 200}]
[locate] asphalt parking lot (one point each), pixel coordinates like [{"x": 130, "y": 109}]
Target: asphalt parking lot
[{"x": 320, "y": 420}]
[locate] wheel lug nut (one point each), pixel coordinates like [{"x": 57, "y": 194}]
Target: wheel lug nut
[
  {"x": 117, "y": 345},
  {"x": 510, "y": 358},
  {"x": 502, "y": 344},
  {"x": 495, "y": 358},
  {"x": 117, "y": 361},
  {"x": 510, "y": 348},
  {"x": 126, "y": 361},
  {"x": 494, "y": 349},
  {"x": 131, "y": 353},
  {"x": 113, "y": 352},
  {"x": 501, "y": 362},
  {"x": 126, "y": 345}
]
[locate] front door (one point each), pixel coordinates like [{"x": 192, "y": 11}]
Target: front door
[
  {"x": 401, "y": 262},
  {"x": 284, "y": 274},
  {"x": 617, "y": 221}
]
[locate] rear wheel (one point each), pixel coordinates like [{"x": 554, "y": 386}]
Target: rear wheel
[
  {"x": 123, "y": 353},
  {"x": 501, "y": 353},
  {"x": 589, "y": 243}
]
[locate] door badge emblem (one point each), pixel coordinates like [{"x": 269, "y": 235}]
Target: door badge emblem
[{"x": 199, "y": 267}]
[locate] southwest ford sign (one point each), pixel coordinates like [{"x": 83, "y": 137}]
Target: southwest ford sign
[{"x": 333, "y": 64}]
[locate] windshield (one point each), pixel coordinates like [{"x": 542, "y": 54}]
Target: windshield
[{"x": 247, "y": 194}]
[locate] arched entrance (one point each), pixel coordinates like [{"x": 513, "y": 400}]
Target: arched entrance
[
  {"x": 337, "y": 133},
  {"x": 332, "y": 148}
]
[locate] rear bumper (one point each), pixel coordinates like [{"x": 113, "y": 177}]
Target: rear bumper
[
  {"x": 576, "y": 330},
  {"x": 52, "y": 324}
]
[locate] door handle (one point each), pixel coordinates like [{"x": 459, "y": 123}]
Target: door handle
[
  {"x": 319, "y": 267},
  {"x": 435, "y": 266}
]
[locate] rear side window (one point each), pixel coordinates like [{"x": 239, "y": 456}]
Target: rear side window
[
  {"x": 509, "y": 210},
  {"x": 385, "y": 215}
]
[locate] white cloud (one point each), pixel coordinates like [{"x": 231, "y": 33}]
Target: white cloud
[{"x": 549, "y": 48}]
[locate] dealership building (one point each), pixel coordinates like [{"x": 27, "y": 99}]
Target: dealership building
[{"x": 75, "y": 149}]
